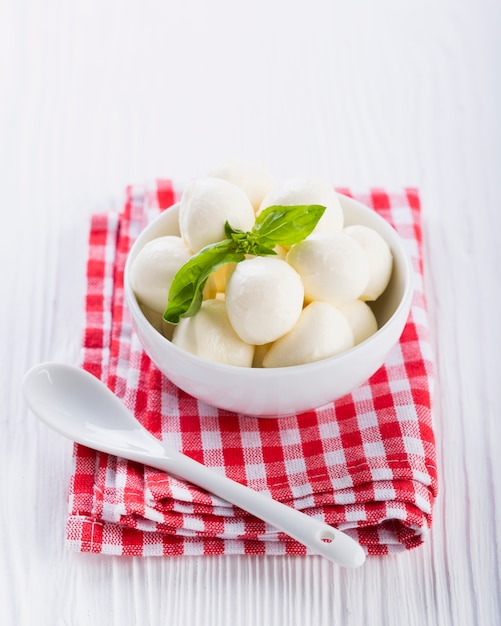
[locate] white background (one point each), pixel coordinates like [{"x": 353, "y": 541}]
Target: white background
[{"x": 98, "y": 94}]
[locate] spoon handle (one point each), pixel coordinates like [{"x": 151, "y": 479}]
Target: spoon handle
[{"x": 321, "y": 538}]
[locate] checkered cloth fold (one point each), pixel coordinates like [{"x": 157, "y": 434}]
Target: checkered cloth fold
[{"x": 365, "y": 463}]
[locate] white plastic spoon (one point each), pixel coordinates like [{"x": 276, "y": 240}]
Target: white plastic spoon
[{"x": 80, "y": 407}]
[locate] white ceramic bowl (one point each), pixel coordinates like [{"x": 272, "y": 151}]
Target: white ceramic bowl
[{"x": 282, "y": 391}]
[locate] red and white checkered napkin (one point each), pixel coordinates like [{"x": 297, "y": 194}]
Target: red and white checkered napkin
[{"x": 365, "y": 463}]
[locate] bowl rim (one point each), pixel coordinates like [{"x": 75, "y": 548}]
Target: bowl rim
[{"x": 258, "y": 372}]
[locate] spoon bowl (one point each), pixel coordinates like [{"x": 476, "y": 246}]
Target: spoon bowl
[{"x": 80, "y": 407}]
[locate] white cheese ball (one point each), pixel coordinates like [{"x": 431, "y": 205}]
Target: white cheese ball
[
  {"x": 380, "y": 259},
  {"x": 254, "y": 180},
  {"x": 209, "y": 335},
  {"x": 215, "y": 287},
  {"x": 321, "y": 331},
  {"x": 361, "y": 319},
  {"x": 308, "y": 190},
  {"x": 154, "y": 268},
  {"x": 333, "y": 267},
  {"x": 205, "y": 206},
  {"x": 221, "y": 275},
  {"x": 264, "y": 298},
  {"x": 260, "y": 353}
]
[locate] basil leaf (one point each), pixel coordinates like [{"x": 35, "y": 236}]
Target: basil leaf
[
  {"x": 259, "y": 250},
  {"x": 287, "y": 225},
  {"x": 230, "y": 231},
  {"x": 248, "y": 242},
  {"x": 186, "y": 290},
  {"x": 276, "y": 225}
]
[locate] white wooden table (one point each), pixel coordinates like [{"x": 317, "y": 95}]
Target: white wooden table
[{"x": 96, "y": 95}]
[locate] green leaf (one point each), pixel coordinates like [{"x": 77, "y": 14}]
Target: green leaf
[
  {"x": 260, "y": 250},
  {"x": 287, "y": 225},
  {"x": 276, "y": 225},
  {"x": 231, "y": 232},
  {"x": 186, "y": 291}
]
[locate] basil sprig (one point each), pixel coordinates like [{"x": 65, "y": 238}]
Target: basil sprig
[{"x": 276, "y": 225}]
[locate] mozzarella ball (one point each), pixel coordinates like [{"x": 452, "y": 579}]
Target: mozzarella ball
[
  {"x": 321, "y": 331},
  {"x": 215, "y": 287},
  {"x": 281, "y": 252},
  {"x": 221, "y": 275},
  {"x": 333, "y": 267},
  {"x": 210, "y": 289},
  {"x": 260, "y": 353},
  {"x": 205, "y": 206},
  {"x": 154, "y": 268},
  {"x": 264, "y": 298},
  {"x": 361, "y": 319},
  {"x": 209, "y": 335},
  {"x": 255, "y": 181},
  {"x": 380, "y": 259},
  {"x": 307, "y": 190}
]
